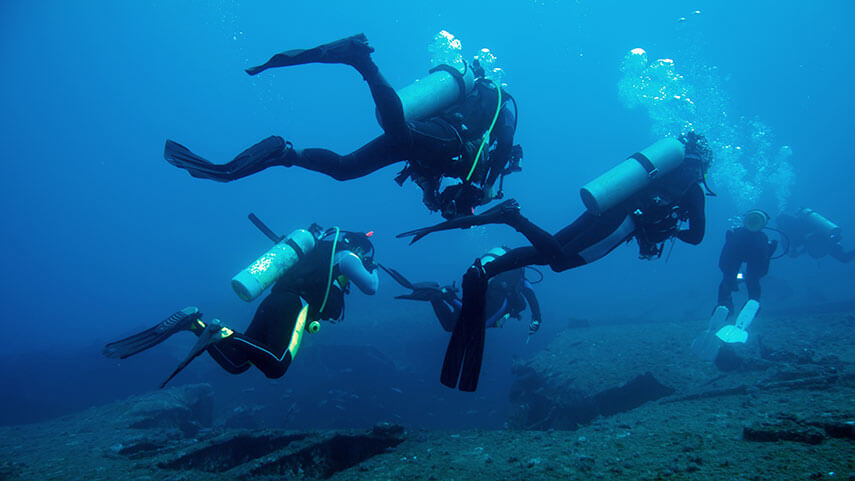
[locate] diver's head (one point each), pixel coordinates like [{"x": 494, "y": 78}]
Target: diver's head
[
  {"x": 358, "y": 242},
  {"x": 755, "y": 220},
  {"x": 699, "y": 155}
]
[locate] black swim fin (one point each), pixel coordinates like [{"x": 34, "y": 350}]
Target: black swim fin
[
  {"x": 397, "y": 277},
  {"x": 353, "y": 51},
  {"x": 466, "y": 346},
  {"x": 211, "y": 334},
  {"x": 182, "y": 320},
  {"x": 269, "y": 152},
  {"x": 498, "y": 214},
  {"x": 422, "y": 291}
]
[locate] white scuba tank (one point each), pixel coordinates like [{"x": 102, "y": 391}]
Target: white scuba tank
[
  {"x": 434, "y": 93},
  {"x": 820, "y": 224},
  {"x": 267, "y": 269},
  {"x": 632, "y": 175}
]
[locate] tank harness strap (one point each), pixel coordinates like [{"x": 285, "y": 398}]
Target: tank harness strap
[
  {"x": 297, "y": 249},
  {"x": 648, "y": 166},
  {"x": 458, "y": 77}
]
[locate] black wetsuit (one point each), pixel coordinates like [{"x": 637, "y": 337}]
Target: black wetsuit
[
  {"x": 652, "y": 221},
  {"x": 804, "y": 240},
  {"x": 742, "y": 246},
  {"x": 265, "y": 342},
  {"x": 507, "y": 296},
  {"x": 441, "y": 146}
]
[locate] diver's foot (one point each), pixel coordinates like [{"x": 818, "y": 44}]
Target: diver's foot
[
  {"x": 353, "y": 51},
  {"x": 506, "y": 212},
  {"x": 289, "y": 155},
  {"x": 475, "y": 281},
  {"x": 209, "y": 334}
]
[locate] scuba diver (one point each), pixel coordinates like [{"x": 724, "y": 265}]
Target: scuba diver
[
  {"x": 310, "y": 271},
  {"x": 646, "y": 197},
  {"x": 442, "y": 126},
  {"x": 811, "y": 233},
  {"x": 507, "y": 296},
  {"x": 747, "y": 245}
]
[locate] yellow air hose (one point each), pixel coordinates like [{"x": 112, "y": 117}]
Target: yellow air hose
[{"x": 489, "y": 131}]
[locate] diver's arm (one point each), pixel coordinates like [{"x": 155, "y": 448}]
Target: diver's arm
[
  {"x": 504, "y": 133},
  {"x": 694, "y": 201},
  {"x": 842, "y": 255},
  {"x": 351, "y": 266}
]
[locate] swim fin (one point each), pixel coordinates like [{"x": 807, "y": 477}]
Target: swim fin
[
  {"x": 422, "y": 291},
  {"x": 353, "y": 51},
  {"x": 183, "y": 320},
  {"x": 270, "y": 152},
  {"x": 211, "y": 334},
  {"x": 466, "y": 347},
  {"x": 498, "y": 214}
]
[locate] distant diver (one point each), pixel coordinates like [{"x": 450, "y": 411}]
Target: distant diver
[
  {"x": 747, "y": 245},
  {"x": 310, "y": 271},
  {"x": 442, "y": 126},
  {"x": 750, "y": 246},
  {"x": 507, "y": 296},
  {"x": 647, "y": 198},
  {"x": 810, "y": 233}
]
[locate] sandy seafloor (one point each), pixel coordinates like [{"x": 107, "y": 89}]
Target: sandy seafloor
[{"x": 803, "y": 426}]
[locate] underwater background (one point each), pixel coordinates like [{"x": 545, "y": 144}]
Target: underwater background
[{"x": 102, "y": 237}]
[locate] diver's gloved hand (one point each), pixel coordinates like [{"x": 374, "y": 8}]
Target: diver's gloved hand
[
  {"x": 534, "y": 326},
  {"x": 773, "y": 245}
]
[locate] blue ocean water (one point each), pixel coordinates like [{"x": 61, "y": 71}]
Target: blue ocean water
[{"x": 103, "y": 237}]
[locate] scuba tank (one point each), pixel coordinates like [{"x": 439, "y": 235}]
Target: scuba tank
[
  {"x": 444, "y": 86},
  {"x": 821, "y": 225},
  {"x": 632, "y": 175},
  {"x": 267, "y": 269}
]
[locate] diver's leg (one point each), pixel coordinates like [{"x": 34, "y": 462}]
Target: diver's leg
[
  {"x": 591, "y": 237},
  {"x": 588, "y": 238},
  {"x": 515, "y": 259},
  {"x": 841, "y": 255},
  {"x": 756, "y": 268},
  {"x": 374, "y": 155},
  {"x": 356, "y": 52},
  {"x": 729, "y": 263},
  {"x": 725, "y": 294},
  {"x": 266, "y": 340},
  {"x": 446, "y": 313}
]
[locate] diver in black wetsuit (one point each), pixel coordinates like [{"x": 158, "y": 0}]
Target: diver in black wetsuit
[
  {"x": 507, "y": 296},
  {"x": 812, "y": 234},
  {"x": 651, "y": 216},
  {"x": 311, "y": 291},
  {"x": 446, "y": 144},
  {"x": 747, "y": 245}
]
